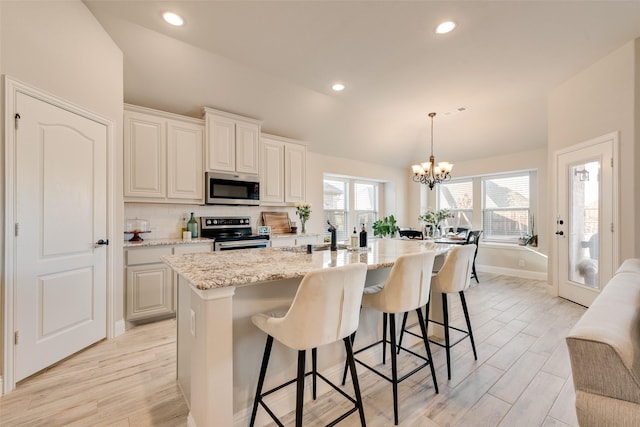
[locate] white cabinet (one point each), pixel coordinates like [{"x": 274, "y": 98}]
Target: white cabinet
[
  {"x": 272, "y": 176},
  {"x": 295, "y": 173},
  {"x": 283, "y": 177},
  {"x": 288, "y": 241},
  {"x": 162, "y": 157},
  {"x": 233, "y": 142},
  {"x": 150, "y": 283}
]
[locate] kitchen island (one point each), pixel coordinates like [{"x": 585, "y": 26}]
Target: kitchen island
[{"x": 219, "y": 349}]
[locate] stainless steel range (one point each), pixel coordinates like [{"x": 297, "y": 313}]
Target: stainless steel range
[{"x": 231, "y": 233}]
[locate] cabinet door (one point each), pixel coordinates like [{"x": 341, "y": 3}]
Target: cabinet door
[
  {"x": 185, "y": 174},
  {"x": 247, "y": 147},
  {"x": 149, "y": 291},
  {"x": 295, "y": 173},
  {"x": 144, "y": 156},
  {"x": 272, "y": 181},
  {"x": 221, "y": 144},
  {"x": 283, "y": 242}
]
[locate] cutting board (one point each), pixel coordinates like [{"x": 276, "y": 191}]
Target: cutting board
[{"x": 278, "y": 221}]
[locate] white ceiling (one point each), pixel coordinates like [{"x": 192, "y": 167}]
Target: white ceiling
[{"x": 276, "y": 61}]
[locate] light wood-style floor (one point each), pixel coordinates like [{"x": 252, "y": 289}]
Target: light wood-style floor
[{"x": 522, "y": 376}]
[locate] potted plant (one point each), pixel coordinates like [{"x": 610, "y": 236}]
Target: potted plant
[
  {"x": 385, "y": 227},
  {"x": 432, "y": 219}
]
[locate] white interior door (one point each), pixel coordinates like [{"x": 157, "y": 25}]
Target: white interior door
[
  {"x": 585, "y": 220},
  {"x": 60, "y": 213}
]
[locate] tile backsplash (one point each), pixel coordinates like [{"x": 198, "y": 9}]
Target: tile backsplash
[{"x": 166, "y": 220}]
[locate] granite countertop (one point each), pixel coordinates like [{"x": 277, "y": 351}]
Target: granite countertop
[
  {"x": 162, "y": 242},
  {"x": 248, "y": 266}
]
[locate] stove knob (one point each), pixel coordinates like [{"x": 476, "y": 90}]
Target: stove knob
[{"x": 215, "y": 221}]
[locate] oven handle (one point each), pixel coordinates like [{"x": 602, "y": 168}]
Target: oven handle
[{"x": 242, "y": 244}]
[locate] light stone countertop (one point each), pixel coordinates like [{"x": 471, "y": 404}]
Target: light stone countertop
[
  {"x": 249, "y": 266},
  {"x": 163, "y": 242}
]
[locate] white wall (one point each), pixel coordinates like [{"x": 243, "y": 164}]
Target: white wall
[
  {"x": 603, "y": 98},
  {"x": 60, "y": 48}
]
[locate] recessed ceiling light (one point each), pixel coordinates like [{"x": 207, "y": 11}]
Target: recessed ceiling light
[
  {"x": 445, "y": 27},
  {"x": 173, "y": 18},
  {"x": 337, "y": 87}
]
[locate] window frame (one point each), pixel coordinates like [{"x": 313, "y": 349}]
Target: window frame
[{"x": 351, "y": 214}]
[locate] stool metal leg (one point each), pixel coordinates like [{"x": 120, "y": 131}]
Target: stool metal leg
[
  {"x": 404, "y": 325},
  {"x": 466, "y": 317},
  {"x": 394, "y": 366},
  {"x": 423, "y": 328},
  {"x": 346, "y": 362},
  {"x": 263, "y": 371},
  {"x": 445, "y": 316},
  {"x": 354, "y": 379},
  {"x": 384, "y": 338},
  {"x": 300, "y": 388},
  {"x": 314, "y": 369}
]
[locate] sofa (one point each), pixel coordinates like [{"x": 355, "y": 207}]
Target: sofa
[{"x": 604, "y": 348}]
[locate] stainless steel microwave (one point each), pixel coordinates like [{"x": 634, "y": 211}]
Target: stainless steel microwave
[{"x": 232, "y": 189}]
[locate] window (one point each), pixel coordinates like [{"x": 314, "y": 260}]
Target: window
[
  {"x": 506, "y": 206},
  {"x": 457, "y": 196},
  {"x": 349, "y": 203}
]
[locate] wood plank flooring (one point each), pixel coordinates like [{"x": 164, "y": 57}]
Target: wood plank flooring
[{"x": 522, "y": 376}]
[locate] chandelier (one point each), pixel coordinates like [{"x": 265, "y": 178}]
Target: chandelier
[{"x": 428, "y": 173}]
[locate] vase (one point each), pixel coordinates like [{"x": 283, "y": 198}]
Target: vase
[{"x": 304, "y": 226}]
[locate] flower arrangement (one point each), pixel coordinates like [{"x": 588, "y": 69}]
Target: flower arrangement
[
  {"x": 433, "y": 218},
  {"x": 303, "y": 210}
]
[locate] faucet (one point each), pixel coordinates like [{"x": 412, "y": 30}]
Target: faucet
[{"x": 332, "y": 230}]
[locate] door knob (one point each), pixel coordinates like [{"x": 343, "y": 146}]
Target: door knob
[
  {"x": 101, "y": 242},
  {"x": 560, "y": 233}
]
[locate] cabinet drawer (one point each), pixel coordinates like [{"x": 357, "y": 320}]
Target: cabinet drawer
[
  {"x": 191, "y": 249},
  {"x": 147, "y": 255}
]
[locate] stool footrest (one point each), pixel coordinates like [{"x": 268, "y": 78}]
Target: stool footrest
[
  {"x": 323, "y": 378},
  {"x": 439, "y": 344},
  {"x": 404, "y": 377}
]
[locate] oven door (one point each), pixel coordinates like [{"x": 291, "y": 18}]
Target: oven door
[{"x": 240, "y": 244}]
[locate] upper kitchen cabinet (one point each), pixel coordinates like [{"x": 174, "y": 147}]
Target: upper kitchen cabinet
[
  {"x": 162, "y": 157},
  {"x": 233, "y": 142},
  {"x": 283, "y": 177}
]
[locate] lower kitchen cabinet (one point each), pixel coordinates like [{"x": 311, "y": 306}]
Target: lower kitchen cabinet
[
  {"x": 288, "y": 241},
  {"x": 150, "y": 283}
]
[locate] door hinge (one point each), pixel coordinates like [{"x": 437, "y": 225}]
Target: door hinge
[
  {"x": 16, "y": 337},
  {"x": 16, "y": 229},
  {"x": 612, "y": 162},
  {"x": 16, "y": 118},
  {"x": 612, "y": 227}
]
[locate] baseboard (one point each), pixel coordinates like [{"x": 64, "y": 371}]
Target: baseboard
[
  {"x": 119, "y": 328},
  {"x": 525, "y": 274}
]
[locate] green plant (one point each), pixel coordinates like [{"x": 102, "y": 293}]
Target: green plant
[
  {"x": 434, "y": 217},
  {"x": 303, "y": 210},
  {"x": 385, "y": 226}
]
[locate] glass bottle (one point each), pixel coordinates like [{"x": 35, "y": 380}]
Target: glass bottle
[{"x": 192, "y": 226}]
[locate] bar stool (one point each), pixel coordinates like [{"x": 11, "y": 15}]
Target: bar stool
[
  {"x": 453, "y": 277},
  {"x": 407, "y": 288},
  {"x": 325, "y": 309}
]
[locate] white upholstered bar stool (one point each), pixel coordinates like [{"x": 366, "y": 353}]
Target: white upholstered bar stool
[
  {"x": 407, "y": 288},
  {"x": 325, "y": 309},
  {"x": 454, "y": 277}
]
